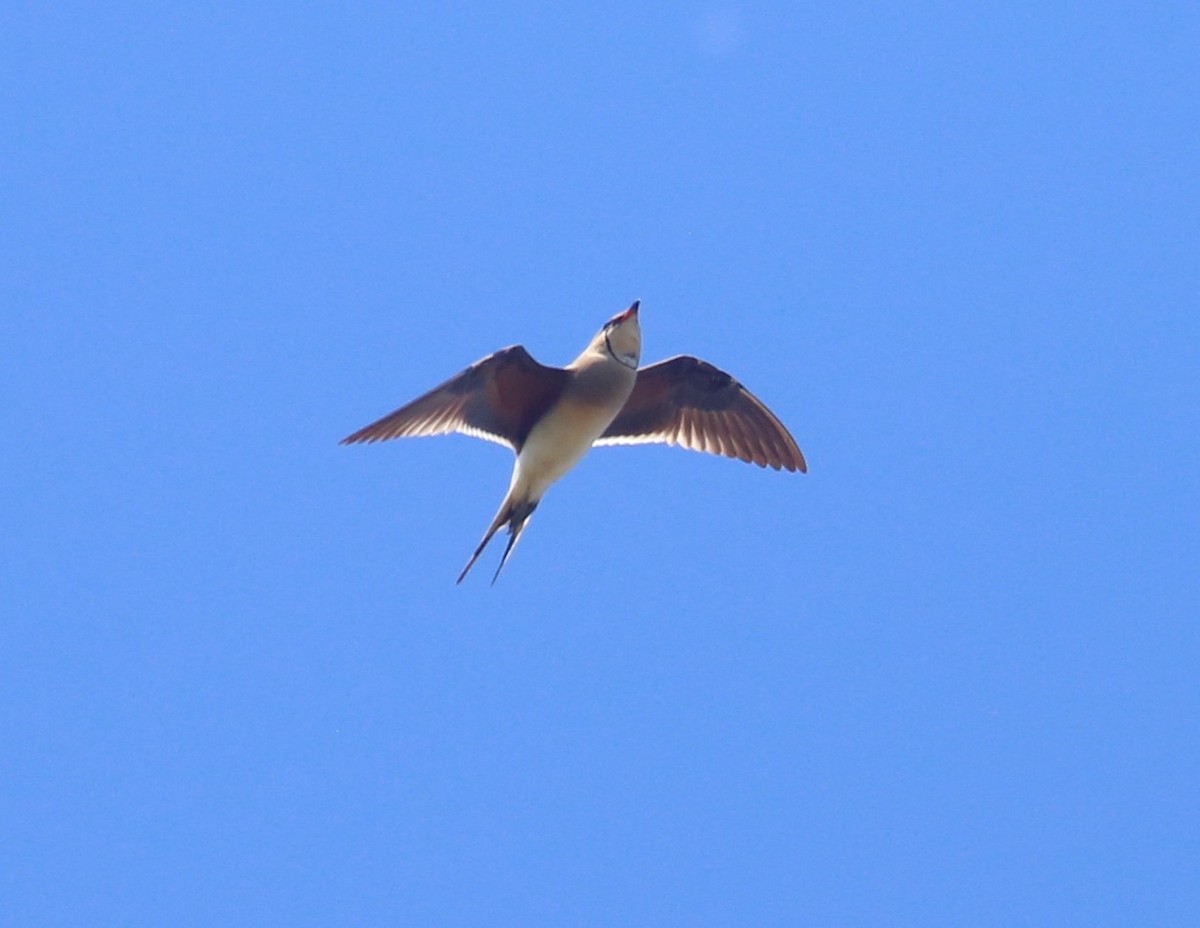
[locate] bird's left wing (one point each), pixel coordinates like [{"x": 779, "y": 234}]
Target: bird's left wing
[
  {"x": 687, "y": 402},
  {"x": 498, "y": 398}
]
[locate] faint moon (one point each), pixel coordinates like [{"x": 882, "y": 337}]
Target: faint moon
[{"x": 719, "y": 32}]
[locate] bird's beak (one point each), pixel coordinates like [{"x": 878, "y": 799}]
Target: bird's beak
[{"x": 632, "y": 311}]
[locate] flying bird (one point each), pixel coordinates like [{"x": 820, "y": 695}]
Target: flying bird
[{"x": 551, "y": 416}]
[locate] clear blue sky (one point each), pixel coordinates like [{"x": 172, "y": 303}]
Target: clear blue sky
[{"x": 947, "y": 678}]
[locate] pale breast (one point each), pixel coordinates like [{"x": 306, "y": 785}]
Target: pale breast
[{"x": 586, "y": 408}]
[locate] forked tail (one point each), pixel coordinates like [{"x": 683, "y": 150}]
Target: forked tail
[{"x": 513, "y": 514}]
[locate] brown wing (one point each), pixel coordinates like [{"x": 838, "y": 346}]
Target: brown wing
[
  {"x": 687, "y": 402},
  {"x": 498, "y": 398}
]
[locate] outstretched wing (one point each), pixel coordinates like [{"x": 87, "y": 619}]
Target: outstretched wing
[
  {"x": 498, "y": 398},
  {"x": 687, "y": 402}
]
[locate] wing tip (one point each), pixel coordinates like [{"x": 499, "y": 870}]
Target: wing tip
[
  {"x": 361, "y": 438},
  {"x": 793, "y": 463}
]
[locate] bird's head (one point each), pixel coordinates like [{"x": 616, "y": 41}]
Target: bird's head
[{"x": 621, "y": 336}]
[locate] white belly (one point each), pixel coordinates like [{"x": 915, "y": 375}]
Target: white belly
[{"x": 557, "y": 443}]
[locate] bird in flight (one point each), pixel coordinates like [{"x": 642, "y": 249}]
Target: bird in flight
[{"x": 551, "y": 416}]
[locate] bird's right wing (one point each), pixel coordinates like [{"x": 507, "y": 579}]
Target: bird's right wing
[
  {"x": 498, "y": 398},
  {"x": 687, "y": 402}
]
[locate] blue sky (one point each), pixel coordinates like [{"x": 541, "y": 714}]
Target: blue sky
[{"x": 946, "y": 678}]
